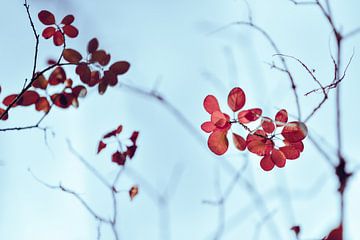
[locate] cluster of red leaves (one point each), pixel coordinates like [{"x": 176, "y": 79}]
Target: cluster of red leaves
[
  {"x": 99, "y": 59},
  {"x": 90, "y": 71},
  {"x": 57, "y": 31},
  {"x": 120, "y": 155},
  {"x": 260, "y": 142}
]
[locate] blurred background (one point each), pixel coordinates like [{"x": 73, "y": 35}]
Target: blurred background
[{"x": 183, "y": 50}]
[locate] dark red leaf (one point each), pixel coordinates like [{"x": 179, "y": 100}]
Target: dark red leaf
[
  {"x": 296, "y": 230},
  {"x": 110, "y": 134},
  {"x": 70, "y": 31},
  {"x": 84, "y": 73},
  {"x": 335, "y": 234},
  {"x": 67, "y": 20},
  {"x": 57, "y": 76},
  {"x": 9, "y": 99},
  {"x": 119, "y": 129},
  {"x": 211, "y": 104},
  {"x": 58, "y": 38},
  {"x": 236, "y": 99},
  {"x": 72, "y": 56},
  {"x": 111, "y": 78},
  {"x": 48, "y": 32},
  {"x": 46, "y": 17},
  {"x": 134, "y": 136},
  {"x": 101, "y": 57},
  {"x": 131, "y": 151},
  {"x": 62, "y": 100},
  {"x": 28, "y": 98},
  {"x": 239, "y": 142},
  {"x": 93, "y": 45},
  {"x": 218, "y": 142},
  {"x": 79, "y": 91},
  {"x": 120, "y": 67},
  {"x": 101, "y": 146},
  {"x": 119, "y": 158}
]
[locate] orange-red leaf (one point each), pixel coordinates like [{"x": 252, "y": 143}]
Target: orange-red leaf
[
  {"x": 9, "y": 99},
  {"x": 239, "y": 142},
  {"x": 72, "y": 56},
  {"x": 57, "y": 76},
  {"x": 211, "y": 104},
  {"x": 134, "y": 190},
  {"x": 218, "y": 142},
  {"x": 40, "y": 82},
  {"x": 46, "y": 17},
  {"x": 250, "y": 115},
  {"x": 294, "y": 131},
  {"x": 28, "y": 98},
  {"x": 42, "y": 104},
  {"x": 236, "y": 99}
]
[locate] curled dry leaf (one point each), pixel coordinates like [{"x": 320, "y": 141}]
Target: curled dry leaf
[{"x": 134, "y": 190}]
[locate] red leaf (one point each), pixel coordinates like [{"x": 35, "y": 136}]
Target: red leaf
[
  {"x": 79, "y": 91},
  {"x": 67, "y": 20},
  {"x": 208, "y": 127},
  {"x": 101, "y": 146},
  {"x": 281, "y": 117},
  {"x": 84, "y": 72},
  {"x": 278, "y": 157},
  {"x": 6, "y": 116},
  {"x": 236, "y": 99},
  {"x": 72, "y": 56},
  {"x": 58, "y": 38},
  {"x": 259, "y": 135},
  {"x": 211, "y": 104},
  {"x": 101, "y": 57},
  {"x": 297, "y": 145},
  {"x": 48, "y": 32},
  {"x": 239, "y": 142},
  {"x": 266, "y": 163},
  {"x": 57, "y": 76},
  {"x": 134, "y": 136},
  {"x": 111, "y": 78},
  {"x": 296, "y": 230},
  {"x": 42, "y": 105},
  {"x": 70, "y": 31},
  {"x": 93, "y": 45},
  {"x": 119, "y": 129},
  {"x": 102, "y": 86},
  {"x": 268, "y": 125},
  {"x": 118, "y": 158},
  {"x": 28, "y": 98},
  {"x": 290, "y": 152},
  {"x": 40, "y": 82},
  {"x": 9, "y": 99},
  {"x": 294, "y": 131},
  {"x": 62, "y": 100},
  {"x": 131, "y": 151},
  {"x": 335, "y": 234},
  {"x": 134, "y": 190},
  {"x": 120, "y": 67},
  {"x": 110, "y": 134},
  {"x": 46, "y": 17},
  {"x": 257, "y": 147},
  {"x": 218, "y": 119},
  {"x": 218, "y": 142},
  {"x": 250, "y": 115}
]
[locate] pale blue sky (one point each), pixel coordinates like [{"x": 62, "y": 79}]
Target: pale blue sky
[{"x": 169, "y": 46}]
